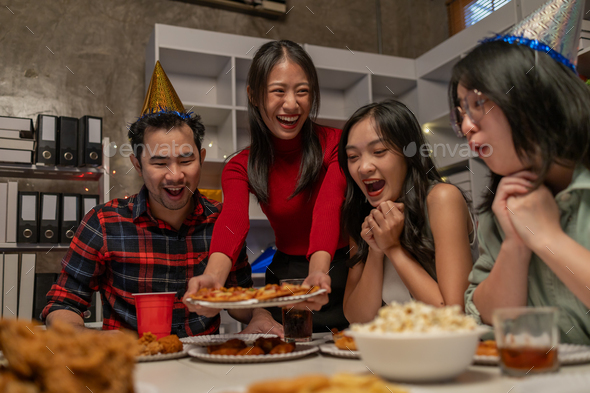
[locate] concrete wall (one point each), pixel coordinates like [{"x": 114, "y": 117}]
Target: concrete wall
[{"x": 78, "y": 57}]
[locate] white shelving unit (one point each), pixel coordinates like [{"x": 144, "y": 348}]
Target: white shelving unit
[{"x": 350, "y": 79}]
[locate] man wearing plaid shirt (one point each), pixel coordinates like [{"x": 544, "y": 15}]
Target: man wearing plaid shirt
[{"x": 154, "y": 241}]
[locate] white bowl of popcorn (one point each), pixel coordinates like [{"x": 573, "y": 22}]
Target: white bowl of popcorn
[{"x": 415, "y": 342}]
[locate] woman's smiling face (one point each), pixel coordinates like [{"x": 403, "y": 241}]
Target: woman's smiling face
[
  {"x": 287, "y": 101},
  {"x": 377, "y": 170}
]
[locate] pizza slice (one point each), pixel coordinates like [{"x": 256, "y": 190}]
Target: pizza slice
[
  {"x": 272, "y": 291},
  {"x": 233, "y": 294},
  {"x": 297, "y": 290}
]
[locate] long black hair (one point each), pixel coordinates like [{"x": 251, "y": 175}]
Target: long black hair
[
  {"x": 546, "y": 104},
  {"x": 398, "y": 128},
  {"x": 261, "y": 154}
]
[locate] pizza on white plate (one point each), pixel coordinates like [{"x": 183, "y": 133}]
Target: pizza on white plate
[{"x": 236, "y": 294}]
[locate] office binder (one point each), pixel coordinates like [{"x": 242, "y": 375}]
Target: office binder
[
  {"x": 28, "y": 224},
  {"x": 68, "y": 141},
  {"x": 16, "y": 134},
  {"x": 3, "y": 207},
  {"x": 90, "y": 141},
  {"x": 70, "y": 217},
  {"x": 46, "y": 140},
  {"x": 11, "y": 134},
  {"x": 27, "y": 286},
  {"x": 49, "y": 218},
  {"x": 11, "y": 212},
  {"x": 17, "y": 144},
  {"x": 18, "y": 156},
  {"x": 87, "y": 203},
  {"x": 10, "y": 290},
  {"x": 16, "y": 123}
]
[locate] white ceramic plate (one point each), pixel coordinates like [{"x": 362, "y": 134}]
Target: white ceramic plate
[
  {"x": 552, "y": 383},
  {"x": 567, "y": 353},
  {"x": 167, "y": 356},
  {"x": 329, "y": 337},
  {"x": 333, "y": 350},
  {"x": 299, "y": 352},
  {"x": 255, "y": 303},
  {"x": 212, "y": 339}
]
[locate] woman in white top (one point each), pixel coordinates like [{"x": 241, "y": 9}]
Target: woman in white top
[{"x": 397, "y": 209}]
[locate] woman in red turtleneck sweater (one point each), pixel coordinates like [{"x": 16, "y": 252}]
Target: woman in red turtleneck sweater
[{"x": 292, "y": 167}]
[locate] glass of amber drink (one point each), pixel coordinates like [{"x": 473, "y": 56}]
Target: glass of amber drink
[
  {"x": 297, "y": 324},
  {"x": 527, "y": 340}
]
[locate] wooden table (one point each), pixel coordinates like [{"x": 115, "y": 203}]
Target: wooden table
[{"x": 190, "y": 375}]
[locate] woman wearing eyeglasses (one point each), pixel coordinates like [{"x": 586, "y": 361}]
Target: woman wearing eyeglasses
[
  {"x": 410, "y": 232},
  {"x": 527, "y": 114}
]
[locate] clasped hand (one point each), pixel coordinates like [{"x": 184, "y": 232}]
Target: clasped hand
[
  {"x": 382, "y": 228},
  {"x": 527, "y": 216}
]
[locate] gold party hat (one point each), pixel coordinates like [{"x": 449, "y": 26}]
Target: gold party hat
[
  {"x": 161, "y": 96},
  {"x": 554, "y": 29}
]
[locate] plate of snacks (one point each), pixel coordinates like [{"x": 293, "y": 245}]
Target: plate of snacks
[
  {"x": 487, "y": 354},
  {"x": 343, "y": 347},
  {"x": 260, "y": 351},
  {"x": 151, "y": 349},
  {"x": 271, "y": 295},
  {"x": 211, "y": 339}
]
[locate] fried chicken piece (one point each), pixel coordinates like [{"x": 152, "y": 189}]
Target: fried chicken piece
[
  {"x": 282, "y": 348},
  {"x": 225, "y": 351},
  {"x": 170, "y": 344},
  {"x": 10, "y": 383},
  {"x": 146, "y": 345},
  {"x": 345, "y": 343},
  {"x": 233, "y": 343},
  {"x": 64, "y": 359},
  {"x": 487, "y": 348},
  {"x": 250, "y": 351},
  {"x": 154, "y": 348},
  {"x": 267, "y": 344},
  {"x": 147, "y": 338}
]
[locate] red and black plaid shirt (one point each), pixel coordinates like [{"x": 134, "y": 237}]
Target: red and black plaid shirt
[{"x": 120, "y": 249}]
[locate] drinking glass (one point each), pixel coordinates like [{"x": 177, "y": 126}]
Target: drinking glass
[
  {"x": 527, "y": 340},
  {"x": 297, "y": 324}
]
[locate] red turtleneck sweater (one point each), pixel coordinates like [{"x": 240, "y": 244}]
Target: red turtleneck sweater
[{"x": 302, "y": 226}]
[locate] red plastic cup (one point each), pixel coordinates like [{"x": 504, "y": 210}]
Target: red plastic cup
[{"x": 154, "y": 313}]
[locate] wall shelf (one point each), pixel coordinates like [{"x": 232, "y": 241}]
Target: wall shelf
[
  {"x": 32, "y": 247},
  {"x": 50, "y": 172}
]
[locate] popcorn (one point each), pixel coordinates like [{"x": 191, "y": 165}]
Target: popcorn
[{"x": 417, "y": 317}]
